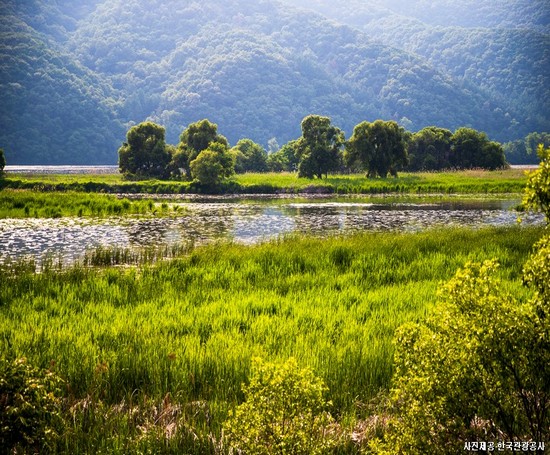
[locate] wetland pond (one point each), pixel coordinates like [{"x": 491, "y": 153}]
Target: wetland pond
[{"x": 250, "y": 220}]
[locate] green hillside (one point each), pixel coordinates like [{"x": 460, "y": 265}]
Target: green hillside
[
  {"x": 74, "y": 77},
  {"x": 500, "y": 48}
]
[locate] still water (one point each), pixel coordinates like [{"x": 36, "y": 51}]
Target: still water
[{"x": 247, "y": 221}]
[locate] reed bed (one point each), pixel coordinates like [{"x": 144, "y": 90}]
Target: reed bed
[{"x": 176, "y": 338}]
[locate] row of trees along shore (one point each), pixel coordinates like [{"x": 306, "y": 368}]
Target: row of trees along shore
[{"x": 379, "y": 148}]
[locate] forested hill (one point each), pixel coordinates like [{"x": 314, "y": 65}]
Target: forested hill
[
  {"x": 501, "y": 48},
  {"x": 75, "y": 76}
]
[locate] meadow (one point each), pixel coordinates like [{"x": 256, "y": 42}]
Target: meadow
[
  {"x": 154, "y": 356},
  {"x": 462, "y": 182}
]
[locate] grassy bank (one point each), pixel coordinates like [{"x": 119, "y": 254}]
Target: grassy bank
[
  {"x": 132, "y": 343},
  {"x": 36, "y": 204},
  {"x": 476, "y": 181}
]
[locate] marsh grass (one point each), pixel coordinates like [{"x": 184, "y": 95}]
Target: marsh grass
[
  {"x": 28, "y": 203},
  {"x": 462, "y": 182},
  {"x": 125, "y": 339}
]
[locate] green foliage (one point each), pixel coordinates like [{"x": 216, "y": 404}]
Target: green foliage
[
  {"x": 194, "y": 139},
  {"x": 497, "y": 48},
  {"x": 318, "y": 150},
  {"x": 450, "y": 182},
  {"x": 285, "y": 159},
  {"x": 55, "y": 110},
  {"x": 472, "y": 149},
  {"x": 537, "y": 191},
  {"x": 479, "y": 368},
  {"x": 524, "y": 151},
  {"x": 430, "y": 149},
  {"x": 123, "y": 336},
  {"x": 30, "y": 408},
  {"x": 72, "y": 75},
  {"x": 249, "y": 157},
  {"x": 26, "y": 204},
  {"x": 378, "y": 147},
  {"x": 213, "y": 164},
  {"x": 145, "y": 154},
  {"x": 284, "y": 412}
]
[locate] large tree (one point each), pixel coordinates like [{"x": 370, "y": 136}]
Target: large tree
[
  {"x": 193, "y": 140},
  {"x": 213, "y": 164},
  {"x": 249, "y": 157},
  {"x": 473, "y": 149},
  {"x": 319, "y": 148},
  {"x": 430, "y": 149},
  {"x": 378, "y": 147},
  {"x": 145, "y": 154}
]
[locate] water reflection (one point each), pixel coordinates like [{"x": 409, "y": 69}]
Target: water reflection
[{"x": 246, "y": 222}]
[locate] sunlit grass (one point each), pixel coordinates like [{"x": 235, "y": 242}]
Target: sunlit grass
[
  {"x": 471, "y": 181},
  {"x": 36, "y": 204},
  {"x": 189, "y": 327}
]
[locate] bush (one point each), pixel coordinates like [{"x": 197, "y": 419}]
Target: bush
[
  {"x": 537, "y": 191},
  {"x": 30, "y": 408},
  {"x": 479, "y": 369},
  {"x": 284, "y": 413}
]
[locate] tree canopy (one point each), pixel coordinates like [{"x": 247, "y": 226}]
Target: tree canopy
[
  {"x": 378, "y": 147},
  {"x": 319, "y": 148},
  {"x": 249, "y": 157},
  {"x": 212, "y": 164},
  {"x": 194, "y": 139},
  {"x": 145, "y": 154},
  {"x": 473, "y": 149},
  {"x": 430, "y": 149},
  {"x": 2, "y": 161}
]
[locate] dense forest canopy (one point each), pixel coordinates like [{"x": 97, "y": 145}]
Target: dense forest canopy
[{"x": 75, "y": 77}]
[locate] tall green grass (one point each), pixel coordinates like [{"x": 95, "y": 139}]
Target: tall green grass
[
  {"x": 473, "y": 181},
  {"x": 126, "y": 340},
  {"x": 25, "y": 203}
]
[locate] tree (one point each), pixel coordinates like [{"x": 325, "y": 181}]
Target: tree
[
  {"x": 319, "y": 147},
  {"x": 194, "y": 139},
  {"x": 285, "y": 159},
  {"x": 2, "y": 161},
  {"x": 472, "y": 149},
  {"x": 429, "y": 149},
  {"x": 249, "y": 157},
  {"x": 524, "y": 151},
  {"x": 145, "y": 154},
  {"x": 537, "y": 191},
  {"x": 378, "y": 147},
  {"x": 212, "y": 165},
  {"x": 283, "y": 412},
  {"x": 533, "y": 140}
]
